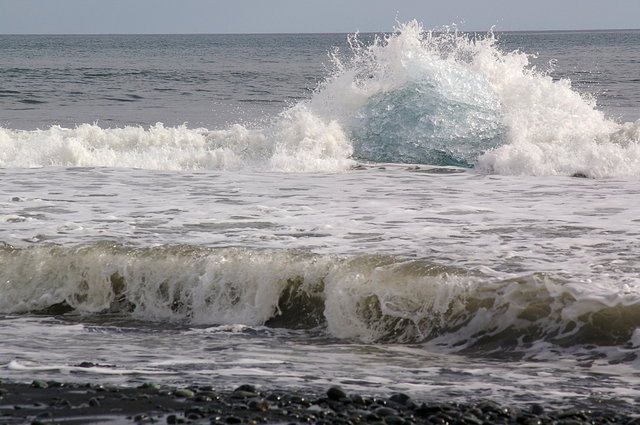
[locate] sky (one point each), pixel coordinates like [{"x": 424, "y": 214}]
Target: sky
[{"x": 315, "y": 16}]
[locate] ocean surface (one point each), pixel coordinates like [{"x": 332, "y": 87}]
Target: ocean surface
[{"x": 454, "y": 216}]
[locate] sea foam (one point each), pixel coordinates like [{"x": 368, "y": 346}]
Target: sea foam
[
  {"x": 452, "y": 99},
  {"x": 298, "y": 141},
  {"x": 412, "y": 96}
]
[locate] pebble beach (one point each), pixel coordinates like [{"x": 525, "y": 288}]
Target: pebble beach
[{"x": 60, "y": 403}]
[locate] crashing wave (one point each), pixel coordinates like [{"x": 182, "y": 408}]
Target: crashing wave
[
  {"x": 412, "y": 96},
  {"x": 370, "y": 298}
]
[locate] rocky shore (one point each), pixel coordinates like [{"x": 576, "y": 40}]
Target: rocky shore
[{"x": 57, "y": 403}]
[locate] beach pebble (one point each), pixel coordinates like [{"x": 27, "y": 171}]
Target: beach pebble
[
  {"x": 184, "y": 393},
  {"x": 385, "y": 411},
  {"x": 336, "y": 393},
  {"x": 400, "y": 398},
  {"x": 246, "y": 388},
  {"x": 258, "y": 404},
  {"x": 39, "y": 384},
  {"x": 358, "y": 399},
  {"x": 149, "y": 386},
  {"x": 142, "y": 417}
]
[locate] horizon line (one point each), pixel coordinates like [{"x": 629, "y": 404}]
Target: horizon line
[{"x": 316, "y": 33}]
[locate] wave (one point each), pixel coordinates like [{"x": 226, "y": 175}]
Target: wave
[
  {"x": 368, "y": 298},
  {"x": 454, "y": 99},
  {"x": 297, "y": 142},
  {"x": 412, "y": 96}
]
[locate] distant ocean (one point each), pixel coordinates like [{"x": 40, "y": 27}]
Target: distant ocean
[{"x": 453, "y": 216}]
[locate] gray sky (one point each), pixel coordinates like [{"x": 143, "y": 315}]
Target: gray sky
[{"x": 260, "y": 16}]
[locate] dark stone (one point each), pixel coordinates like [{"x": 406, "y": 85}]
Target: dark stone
[
  {"x": 142, "y": 417},
  {"x": 470, "y": 419},
  {"x": 385, "y": 411},
  {"x": 336, "y": 393},
  {"x": 274, "y": 397},
  {"x": 400, "y": 398},
  {"x": 372, "y": 417},
  {"x": 63, "y": 403},
  {"x": 55, "y": 384},
  {"x": 94, "y": 402},
  {"x": 489, "y": 406},
  {"x": 39, "y": 384},
  {"x": 425, "y": 411},
  {"x": 258, "y": 404},
  {"x": 291, "y": 399},
  {"x": 393, "y": 420},
  {"x": 246, "y": 388},
  {"x": 437, "y": 420},
  {"x": 184, "y": 393},
  {"x": 149, "y": 386},
  {"x": 233, "y": 420},
  {"x": 358, "y": 399}
]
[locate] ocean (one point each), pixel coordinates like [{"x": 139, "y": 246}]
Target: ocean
[{"x": 454, "y": 216}]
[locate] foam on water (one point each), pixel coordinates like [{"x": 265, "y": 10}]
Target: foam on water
[
  {"x": 365, "y": 298},
  {"x": 297, "y": 141},
  {"x": 408, "y": 97}
]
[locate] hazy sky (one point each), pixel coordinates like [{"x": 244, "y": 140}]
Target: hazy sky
[{"x": 258, "y": 16}]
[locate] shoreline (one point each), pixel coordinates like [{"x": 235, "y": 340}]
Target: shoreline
[{"x": 62, "y": 403}]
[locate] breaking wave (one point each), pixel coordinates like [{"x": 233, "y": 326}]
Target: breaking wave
[
  {"x": 413, "y": 96},
  {"x": 369, "y": 298}
]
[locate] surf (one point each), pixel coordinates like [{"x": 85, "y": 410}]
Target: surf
[
  {"x": 365, "y": 298},
  {"x": 412, "y": 96}
]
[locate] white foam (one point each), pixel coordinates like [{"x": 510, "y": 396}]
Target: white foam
[
  {"x": 28, "y": 366},
  {"x": 549, "y": 128},
  {"x": 297, "y": 141}
]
